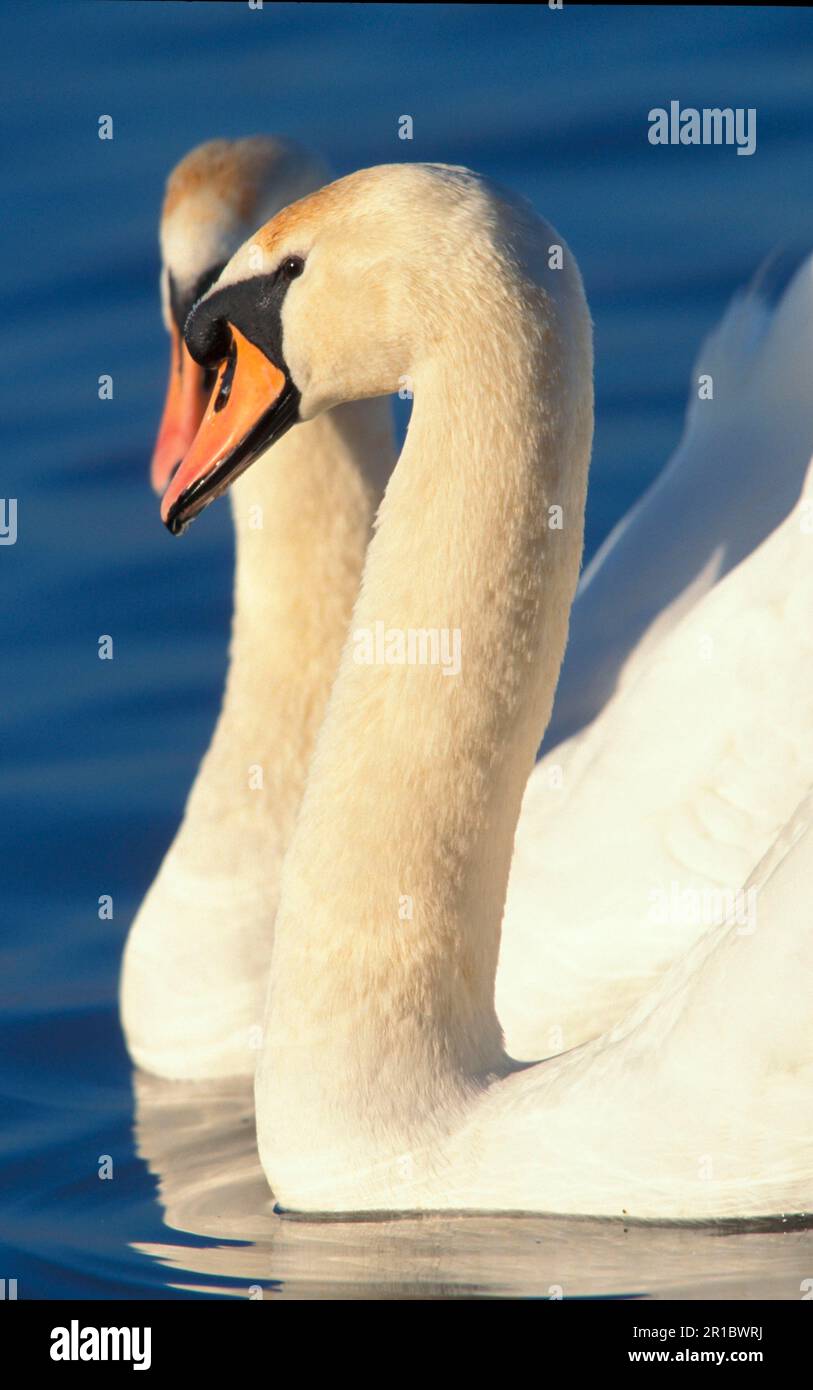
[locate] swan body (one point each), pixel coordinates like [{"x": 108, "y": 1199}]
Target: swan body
[
  {"x": 196, "y": 959},
  {"x": 699, "y": 732},
  {"x": 382, "y": 1082},
  {"x": 712, "y": 505},
  {"x": 677, "y": 792}
]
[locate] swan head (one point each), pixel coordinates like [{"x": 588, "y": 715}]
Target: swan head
[
  {"x": 214, "y": 198},
  {"x": 349, "y": 297}
]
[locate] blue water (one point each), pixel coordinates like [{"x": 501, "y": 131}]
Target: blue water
[{"x": 98, "y": 755}]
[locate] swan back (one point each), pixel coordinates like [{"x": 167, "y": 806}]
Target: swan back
[{"x": 735, "y": 474}]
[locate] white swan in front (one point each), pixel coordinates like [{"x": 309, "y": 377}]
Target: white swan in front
[
  {"x": 196, "y": 958},
  {"x": 382, "y": 1083}
]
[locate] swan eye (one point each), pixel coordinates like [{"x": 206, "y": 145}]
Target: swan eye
[{"x": 292, "y": 266}]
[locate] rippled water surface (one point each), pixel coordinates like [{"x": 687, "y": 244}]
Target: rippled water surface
[{"x": 98, "y": 755}]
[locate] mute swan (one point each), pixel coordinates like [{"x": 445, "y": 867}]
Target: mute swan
[
  {"x": 382, "y": 1081},
  {"x": 196, "y": 959}
]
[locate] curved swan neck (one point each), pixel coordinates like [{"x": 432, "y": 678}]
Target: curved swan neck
[
  {"x": 302, "y": 524},
  {"x": 302, "y": 519},
  {"x": 387, "y": 936}
]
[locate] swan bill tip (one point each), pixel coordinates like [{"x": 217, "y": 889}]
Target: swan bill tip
[{"x": 176, "y": 523}]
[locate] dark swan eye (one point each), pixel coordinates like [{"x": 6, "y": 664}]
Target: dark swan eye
[{"x": 292, "y": 266}]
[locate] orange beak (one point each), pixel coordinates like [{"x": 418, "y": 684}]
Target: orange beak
[
  {"x": 183, "y": 412},
  {"x": 252, "y": 404}
]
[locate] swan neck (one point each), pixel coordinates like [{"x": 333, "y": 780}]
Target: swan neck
[
  {"x": 387, "y": 937},
  {"x": 302, "y": 517}
]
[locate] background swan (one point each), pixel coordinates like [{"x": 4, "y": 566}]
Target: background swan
[
  {"x": 196, "y": 959},
  {"x": 382, "y": 1082}
]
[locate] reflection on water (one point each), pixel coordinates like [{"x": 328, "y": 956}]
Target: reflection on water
[{"x": 198, "y": 1140}]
